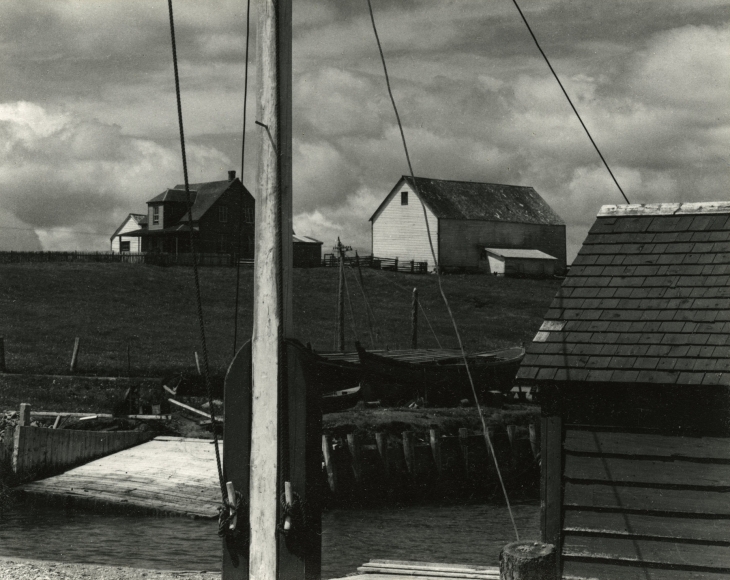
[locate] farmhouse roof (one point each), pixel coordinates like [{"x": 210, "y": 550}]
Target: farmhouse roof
[
  {"x": 467, "y": 200},
  {"x": 647, "y": 300},
  {"x": 177, "y": 194},
  {"x": 519, "y": 253},
  {"x": 138, "y": 218}
]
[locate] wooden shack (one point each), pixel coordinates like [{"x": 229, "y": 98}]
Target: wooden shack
[
  {"x": 307, "y": 252},
  {"x": 464, "y": 217},
  {"x": 632, "y": 365},
  {"x": 518, "y": 263}
]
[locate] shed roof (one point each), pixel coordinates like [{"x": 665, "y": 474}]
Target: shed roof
[
  {"x": 647, "y": 300},
  {"x": 467, "y": 200},
  {"x": 304, "y": 240},
  {"x": 520, "y": 253}
]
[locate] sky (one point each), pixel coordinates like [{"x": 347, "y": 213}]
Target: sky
[{"x": 88, "y": 120}]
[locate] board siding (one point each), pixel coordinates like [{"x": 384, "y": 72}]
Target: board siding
[
  {"x": 135, "y": 244},
  {"x": 645, "y": 505},
  {"x": 463, "y": 240},
  {"x": 399, "y": 231}
]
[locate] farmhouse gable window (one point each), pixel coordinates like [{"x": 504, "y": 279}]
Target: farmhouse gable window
[
  {"x": 404, "y": 198},
  {"x": 155, "y": 215},
  {"x": 223, "y": 214},
  {"x": 248, "y": 215}
]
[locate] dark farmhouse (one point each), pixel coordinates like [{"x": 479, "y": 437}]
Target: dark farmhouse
[
  {"x": 464, "y": 218},
  {"x": 221, "y": 211},
  {"x": 632, "y": 365}
]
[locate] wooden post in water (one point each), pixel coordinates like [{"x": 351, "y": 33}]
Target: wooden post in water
[
  {"x": 528, "y": 561},
  {"x": 75, "y": 355},
  {"x": 414, "y": 320}
]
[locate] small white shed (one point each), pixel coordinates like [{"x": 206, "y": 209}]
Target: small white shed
[
  {"x": 120, "y": 242},
  {"x": 517, "y": 262}
]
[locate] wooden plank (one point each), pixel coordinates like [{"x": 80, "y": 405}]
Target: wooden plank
[
  {"x": 672, "y": 472},
  {"x": 551, "y": 493},
  {"x": 435, "y": 566},
  {"x": 648, "y": 551},
  {"x": 688, "y": 208},
  {"x": 647, "y": 526},
  {"x": 646, "y": 444},
  {"x": 237, "y": 454},
  {"x": 648, "y": 499},
  {"x": 575, "y": 570},
  {"x": 189, "y": 408}
]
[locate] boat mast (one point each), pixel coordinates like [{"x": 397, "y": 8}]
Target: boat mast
[{"x": 272, "y": 282}]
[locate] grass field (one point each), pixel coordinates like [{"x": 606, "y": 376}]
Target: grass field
[{"x": 151, "y": 310}]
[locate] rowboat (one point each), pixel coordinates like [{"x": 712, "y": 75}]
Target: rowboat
[{"x": 443, "y": 381}]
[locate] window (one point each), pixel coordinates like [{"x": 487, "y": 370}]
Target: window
[
  {"x": 248, "y": 215},
  {"x": 404, "y": 198},
  {"x": 124, "y": 246},
  {"x": 155, "y": 215},
  {"x": 223, "y": 213}
]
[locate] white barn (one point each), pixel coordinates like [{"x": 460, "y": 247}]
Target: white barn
[
  {"x": 464, "y": 218},
  {"x": 122, "y": 243}
]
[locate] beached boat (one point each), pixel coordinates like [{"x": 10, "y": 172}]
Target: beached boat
[{"x": 444, "y": 380}]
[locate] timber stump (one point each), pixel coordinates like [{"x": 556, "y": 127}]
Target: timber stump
[{"x": 528, "y": 561}]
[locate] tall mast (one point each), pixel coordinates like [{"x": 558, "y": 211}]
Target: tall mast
[{"x": 272, "y": 283}]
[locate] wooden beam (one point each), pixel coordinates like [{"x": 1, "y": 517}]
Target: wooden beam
[{"x": 75, "y": 355}]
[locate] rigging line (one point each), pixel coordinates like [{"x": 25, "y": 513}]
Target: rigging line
[
  {"x": 368, "y": 309},
  {"x": 240, "y": 207},
  {"x": 199, "y": 301},
  {"x": 352, "y": 312},
  {"x": 552, "y": 70},
  {"x": 438, "y": 277},
  {"x": 429, "y": 324}
]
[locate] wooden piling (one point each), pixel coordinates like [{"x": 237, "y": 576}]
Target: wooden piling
[
  {"x": 75, "y": 355},
  {"x": 408, "y": 452},
  {"x": 414, "y": 317},
  {"x": 381, "y": 441},
  {"x": 534, "y": 440},
  {"x": 355, "y": 448},
  {"x": 435, "y": 441},
  {"x": 528, "y": 561},
  {"x": 329, "y": 467}
]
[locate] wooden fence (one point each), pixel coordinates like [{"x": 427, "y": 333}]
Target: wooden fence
[
  {"x": 155, "y": 259},
  {"x": 442, "y": 465},
  {"x": 392, "y": 264}
]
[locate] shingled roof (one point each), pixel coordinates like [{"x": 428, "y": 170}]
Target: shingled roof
[
  {"x": 467, "y": 200},
  {"x": 647, "y": 300}
]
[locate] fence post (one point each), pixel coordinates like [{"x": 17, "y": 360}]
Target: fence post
[
  {"x": 75, "y": 355},
  {"x": 3, "y": 368},
  {"x": 396, "y": 264},
  {"x": 414, "y": 320}
]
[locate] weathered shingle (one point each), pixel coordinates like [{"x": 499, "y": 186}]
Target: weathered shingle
[{"x": 647, "y": 300}]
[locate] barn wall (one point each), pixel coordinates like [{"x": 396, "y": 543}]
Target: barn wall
[
  {"x": 461, "y": 241},
  {"x": 135, "y": 244},
  {"x": 399, "y": 231},
  {"x": 529, "y": 267}
]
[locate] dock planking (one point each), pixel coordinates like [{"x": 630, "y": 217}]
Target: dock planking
[{"x": 169, "y": 475}]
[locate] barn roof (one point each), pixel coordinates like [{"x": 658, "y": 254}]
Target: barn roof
[
  {"x": 467, "y": 200},
  {"x": 647, "y": 300},
  {"x": 520, "y": 253}
]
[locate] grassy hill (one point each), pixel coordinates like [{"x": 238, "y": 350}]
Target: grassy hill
[{"x": 152, "y": 310}]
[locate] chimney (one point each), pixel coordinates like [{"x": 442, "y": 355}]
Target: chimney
[{"x": 232, "y": 175}]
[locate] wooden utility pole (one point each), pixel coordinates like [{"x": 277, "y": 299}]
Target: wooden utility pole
[
  {"x": 414, "y": 320},
  {"x": 341, "y": 301}
]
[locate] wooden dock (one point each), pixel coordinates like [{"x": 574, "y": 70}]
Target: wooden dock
[
  {"x": 168, "y": 475},
  {"x": 405, "y": 570}
]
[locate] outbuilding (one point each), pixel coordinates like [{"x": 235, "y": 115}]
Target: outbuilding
[
  {"x": 632, "y": 366},
  {"x": 519, "y": 263},
  {"x": 307, "y": 252},
  {"x": 121, "y": 243},
  {"x": 464, "y": 217}
]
